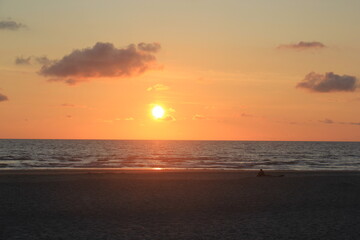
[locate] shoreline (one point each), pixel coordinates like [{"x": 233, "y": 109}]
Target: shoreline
[{"x": 47, "y": 171}]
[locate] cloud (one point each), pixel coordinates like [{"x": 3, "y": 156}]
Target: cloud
[
  {"x": 169, "y": 118},
  {"x": 22, "y": 61},
  {"x": 354, "y": 123},
  {"x": 68, "y": 81},
  {"x": 149, "y": 47},
  {"x": 102, "y": 60},
  {"x": 3, "y": 98},
  {"x": 168, "y": 115},
  {"x": 26, "y": 61},
  {"x": 302, "y": 45},
  {"x": 327, "y": 121},
  {"x": 11, "y": 25},
  {"x": 329, "y": 82},
  {"x": 246, "y": 115},
  {"x": 43, "y": 60},
  {"x": 70, "y": 105},
  {"x": 129, "y": 119},
  {"x": 199, "y": 117},
  {"x": 158, "y": 87}
]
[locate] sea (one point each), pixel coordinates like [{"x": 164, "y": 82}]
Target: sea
[{"x": 163, "y": 154}]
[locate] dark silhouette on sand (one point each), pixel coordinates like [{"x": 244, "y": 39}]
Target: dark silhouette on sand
[{"x": 261, "y": 173}]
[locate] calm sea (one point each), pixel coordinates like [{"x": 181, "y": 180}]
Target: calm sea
[{"x": 33, "y": 154}]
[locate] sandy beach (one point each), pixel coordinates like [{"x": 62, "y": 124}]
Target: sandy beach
[{"x": 179, "y": 205}]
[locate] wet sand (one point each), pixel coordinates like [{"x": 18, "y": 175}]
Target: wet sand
[{"x": 179, "y": 205}]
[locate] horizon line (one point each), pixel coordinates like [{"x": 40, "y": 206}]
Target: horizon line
[{"x": 202, "y": 140}]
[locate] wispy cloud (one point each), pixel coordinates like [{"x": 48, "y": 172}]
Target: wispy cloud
[
  {"x": 328, "y": 82},
  {"x": 302, "y": 45},
  {"x": 169, "y": 118},
  {"x": 149, "y": 47},
  {"x": 43, "y": 60},
  {"x": 11, "y": 25},
  {"x": 29, "y": 60},
  {"x": 69, "y": 81},
  {"x": 199, "y": 117},
  {"x": 3, "y": 98},
  {"x": 158, "y": 87},
  {"x": 352, "y": 123},
  {"x": 329, "y": 121},
  {"x": 102, "y": 60},
  {"x": 70, "y": 105},
  {"x": 117, "y": 120},
  {"x": 22, "y": 61},
  {"x": 246, "y": 115}
]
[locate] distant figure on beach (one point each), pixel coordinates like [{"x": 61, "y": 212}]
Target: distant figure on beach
[{"x": 262, "y": 174}]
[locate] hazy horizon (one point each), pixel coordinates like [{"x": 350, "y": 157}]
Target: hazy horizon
[{"x": 213, "y": 140}]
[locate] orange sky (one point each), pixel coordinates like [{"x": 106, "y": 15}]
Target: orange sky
[{"x": 229, "y": 70}]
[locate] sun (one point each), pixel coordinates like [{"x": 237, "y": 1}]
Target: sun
[{"x": 158, "y": 112}]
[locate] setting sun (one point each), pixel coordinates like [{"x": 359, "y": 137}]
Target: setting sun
[{"x": 158, "y": 112}]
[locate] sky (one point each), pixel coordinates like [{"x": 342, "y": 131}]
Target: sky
[{"x": 222, "y": 70}]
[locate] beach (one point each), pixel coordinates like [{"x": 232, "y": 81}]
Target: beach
[{"x": 179, "y": 204}]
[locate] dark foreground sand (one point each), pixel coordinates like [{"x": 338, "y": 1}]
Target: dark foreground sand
[{"x": 179, "y": 205}]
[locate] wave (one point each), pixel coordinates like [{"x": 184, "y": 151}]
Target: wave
[{"x": 178, "y": 154}]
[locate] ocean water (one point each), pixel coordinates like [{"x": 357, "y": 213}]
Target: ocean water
[{"x": 35, "y": 154}]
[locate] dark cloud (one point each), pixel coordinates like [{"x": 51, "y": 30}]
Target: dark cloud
[
  {"x": 329, "y": 82},
  {"x": 11, "y": 25},
  {"x": 3, "y": 98},
  {"x": 22, "y": 61},
  {"x": 102, "y": 60},
  {"x": 302, "y": 45}
]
